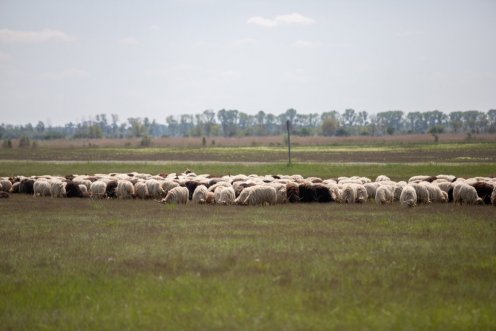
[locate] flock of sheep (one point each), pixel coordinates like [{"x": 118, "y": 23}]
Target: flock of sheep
[{"x": 189, "y": 187}]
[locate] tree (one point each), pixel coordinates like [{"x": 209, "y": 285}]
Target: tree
[
  {"x": 172, "y": 125},
  {"x": 229, "y": 121},
  {"x": 329, "y": 127},
  {"x": 40, "y": 127},
  {"x": 349, "y": 116}
]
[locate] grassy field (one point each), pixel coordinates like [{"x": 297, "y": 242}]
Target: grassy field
[
  {"x": 389, "y": 152},
  {"x": 81, "y": 264}
]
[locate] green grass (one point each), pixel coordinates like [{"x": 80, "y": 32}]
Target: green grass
[
  {"x": 397, "y": 171},
  {"x": 79, "y": 264},
  {"x": 386, "y": 152}
]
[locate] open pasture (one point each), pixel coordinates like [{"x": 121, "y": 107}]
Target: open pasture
[
  {"x": 365, "y": 151},
  {"x": 113, "y": 264},
  {"x": 117, "y": 264}
]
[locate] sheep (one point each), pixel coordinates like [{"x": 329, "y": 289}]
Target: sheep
[
  {"x": 177, "y": 195},
  {"x": 4, "y": 195},
  {"x": 41, "y": 188},
  {"x": 26, "y": 186},
  {"x": 408, "y": 197},
  {"x": 306, "y": 192},
  {"x": 98, "y": 189},
  {"x": 6, "y": 185},
  {"x": 57, "y": 189},
  {"x": 111, "y": 189},
  {"x": 280, "y": 191},
  {"x": 466, "y": 194},
  {"x": 292, "y": 192},
  {"x": 125, "y": 190},
  {"x": 398, "y": 188},
  {"x": 141, "y": 190},
  {"x": 435, "y": 193},
  {"x": 493, "y": 197},
  {"x": 449, "y": 178},
  {"x": 227, "y": 195},
  {"x": 382, "y": 178},
  {"x": 200, "y": 194},
  {"x": 72, "y": 190},
  {"x": 422, "y": 193},
  {"x": 384, "y": 195},
  {"x": 15, "y": 187},
  {"x": 154, "y": 189},
  {"x": 210, "y": 198},
  {"x": 484, "y": 191},
  {"x": 371, "y": 189},
  {"x": 258, "y": 195},
  {"x": 191, "y": 185},
  {"x": 348, "y": 194},
  {"x": 167, "y": 185}
]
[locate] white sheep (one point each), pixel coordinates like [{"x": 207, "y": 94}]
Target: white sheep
[
  {"x": 200, "y": 194},
  {"x": 371, "y": 189},
  {"x": 382, "y": 178},
  {"x": 493, "y": 196},
  {"x": 466, "y": 194},
  {"x": 398, "y": 188},
  {"x": 384, "y": 194},
  {"x": 422, "y": 193},
  {"x": 141, "y": 190},
  {"x": 435, "y": 193},
  {"x": 125, "y": 189},
  {"x": 258, "y": 195},
  {"x": 154, "y": 189},
  {"x": 6, "y": 185},
  {"x": 408, "y": 197},
  {"x": 57, "y": 189},
  {"x": 227, "y": 195},
  {"x": 348, "y": 194},
  {"x": 41, "y": 188},
  {"x": 361, "y": 193},
  {"x": 179, "y": 195},
  {"x": 98, "y": 189}
]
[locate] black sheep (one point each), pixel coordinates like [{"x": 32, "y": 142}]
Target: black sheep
[
  {"x": 322, "y": 193},
  {"x": 72, "y": 190},
  {"x": 26, "y": 186},
  {"x": 191, "y": 186},
  {"x": 484, "y": 191},
  {"x": 110, "y": 191},
  {"x": 307, "y": 192}
]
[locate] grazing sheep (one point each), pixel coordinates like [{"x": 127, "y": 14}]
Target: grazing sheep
[
  {"x": 154, "y": 189},
  {"x": 6, "y": 185},
  {"x": 125, "y": 190},
  {"x": 168, "y": 185},
  {"x": 449, "y": 178},
  {"x": 191, "y": 185},
  {"x": 111, "y": 190},
  {"x": 15, "y": 187},
  {"x": 384, "y": 195},
  {"x": 361, "y": 193},
  {"x": 57, "y": 189},
  {"x": 179, "y": 195},
  {"x": 348, "y": 194},
  {"x": 292, "y": 192},
  {"x": 408, "y": 197},
  {"x": 422, "y": 193},
  {"x": 41, "y": 188},
  {"x": 493, "y": 197},
  {"x": 257, "y": 195},
  {"x": 26, "y": 186},
  {"x": 371, "y": 188},
  {"x": 210, "y": 198},
  {"x": 83, "y": 189},
  {"x": 227, "y": 195},
  {"x": 398, "y": 188},
  {"x": 435, "y": 193},
  {"x": 141, "y": 190},
  {"x": 484, "y": 191},
  {"x": 382, "y": 178},
  {"x": 200, "y": 194},
  {"x": 98, "y": 189},
  {"x": 465, "y": 193},
  {"x": 72, "y": 190},
  {"x": 306, "y": 192}
]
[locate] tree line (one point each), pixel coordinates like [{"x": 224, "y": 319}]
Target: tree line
[{"x": 232, "y": 123}]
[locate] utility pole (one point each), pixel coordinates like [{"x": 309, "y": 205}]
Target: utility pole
[{"x": 288, "y": 125}]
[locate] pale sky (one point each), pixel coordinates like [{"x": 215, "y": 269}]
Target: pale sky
[{"x": 63, "y": 60}]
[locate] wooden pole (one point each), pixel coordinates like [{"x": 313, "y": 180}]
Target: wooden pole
[{"x": 288, "y": 125}]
